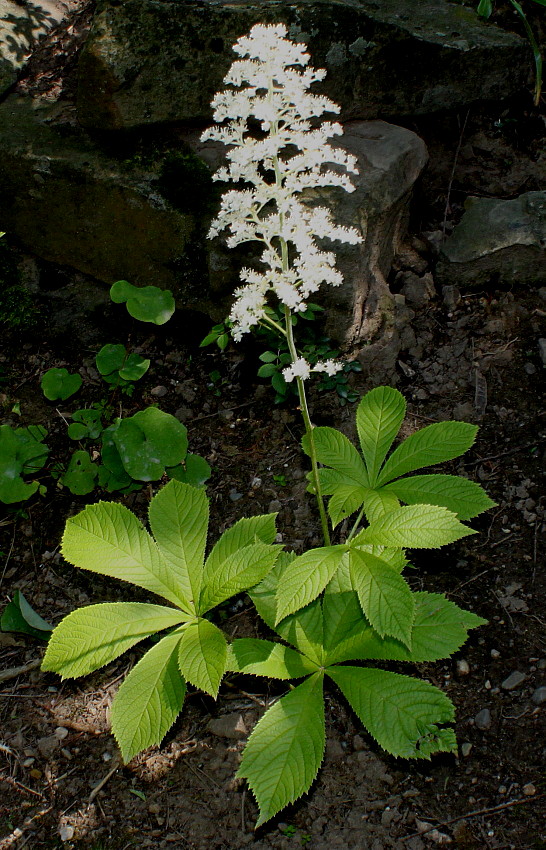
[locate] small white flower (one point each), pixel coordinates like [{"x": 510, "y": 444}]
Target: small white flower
[
  {"x": 331, "y": 367},
  {"x": 300, "y": 368}
]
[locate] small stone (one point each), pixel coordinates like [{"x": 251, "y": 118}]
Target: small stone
[
  {"x": 61, "y": 733},
  {"x": 463, "y": 667},
  {"x": 47, "y": 745},
  {"x": 483, "y": 720},
  {"x": 529, "y": 789},
  {"x": 359, "y": 744},
  {"x": 234, "y": 495},
  {"x": 66, "y": 833},
  {"x": 539, "y": 696},
  {"x": 28, "y": 762},
  {"x": 274, "y": 506},
  {"x": 514, "y": 680},
  {"x": 229, "y": 726},
  {"x": 465, "y": 749},
  {"x": 160, "y": 391},
  {"x": 502, "y": 789},
  {"x": 184, "y": 414},
  {"x": 495, "y": 653},
  {"x": 542, "y": 350},
  {"x": 529, "y": 368},
  {"x": 451, "y": 297}
]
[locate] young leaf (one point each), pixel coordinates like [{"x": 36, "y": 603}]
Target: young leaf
[
  {"x": 202, "y": 654},
  {"x": 240, "y": 571},
  {"x": 465, "y": 498},
  {"x": 148, "y": 442},
  {"x": 378, "y": 419},
  {"x": 434, "y": 444},
  {"x": 285, "y": 750},
  {"x": 345, "y": 627},
  {"x": 19, "y": 616},
  {"x": 107, "y": 538},
  {"x": 179, "y": 516},
  {"x": 384, "y": 595},
  {"x": 193, "y": 470},
  {"x": 145, "y": 303},
  {"x": 265, "y": 658},
  {"x": 110, "y": 358},
  {"x": 60, "y": 384},
  {"x": 242, "y": 533},
  {"x": 439, "y": 629},
  {"x": 306, "y": 577},
  {"x": 416, "y": 527},
  {"x": 401, "y": 713},
  {"x": 346, "y": 499},
  {"x": 91, "y": 637},
  {"x": 149, "y": 700},
  {"x": 335, "y": 450},
  {"x": 81, "y": 474}
]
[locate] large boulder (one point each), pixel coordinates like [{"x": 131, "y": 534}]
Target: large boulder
[
  {"x": 500, "y": 242},
  {"x": 158, "y": 61}
]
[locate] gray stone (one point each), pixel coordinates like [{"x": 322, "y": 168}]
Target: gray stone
[
  {"x": 542, "y": 350},
  {"x": 451, "y": 296},
  {"x": 229, "y": 726},
  {"x": 539, "y": 696},
  {"x": 497, "y": 240},
  {"x": 146, "y": 63},
  {"x": 514, "y": 680},
  {"x": 418, "y": 291},
  {"x": 483, "y": 720}
]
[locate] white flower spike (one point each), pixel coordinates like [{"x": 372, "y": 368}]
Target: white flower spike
[{"x": 269, "y": 84}]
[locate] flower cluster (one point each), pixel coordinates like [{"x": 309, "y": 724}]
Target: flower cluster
[
  {"x": 300, "y": 368},
  {"x": 287, "y": 157}
]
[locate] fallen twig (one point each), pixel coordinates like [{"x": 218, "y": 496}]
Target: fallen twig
[
  {"x": 104, "y": 780},
  {"x": 13, "y": 672}
]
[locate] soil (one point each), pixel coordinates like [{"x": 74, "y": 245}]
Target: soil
[{"x": 476, "y": 358}]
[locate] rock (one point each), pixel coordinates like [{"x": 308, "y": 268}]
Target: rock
[
  {"x": 466, "y": 749},
  {"x": 229, "y": 726},
  {"x": 539, "y": 696},
  {"x": 529, "y": 789},
  {"x": 462, "y": 667},
  {"x": 66, "y": 832},
  {"x": 451, "y": 296},
  {"x": 514, "y": 680},
  {"x": 159, "y": 391},
  {"x": 396, "y": 57},
  {"x": 483, "y": 720},
  {"x": 47, "y": 745},
  {"x": 497, "y": 240},
  {"x": 21, "y": 27},
  {"x": 542, "y": 350},
  {"x": 418, "y": 291}
]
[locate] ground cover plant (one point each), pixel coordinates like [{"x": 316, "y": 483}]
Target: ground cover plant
[{"x": 342, "y": 602}]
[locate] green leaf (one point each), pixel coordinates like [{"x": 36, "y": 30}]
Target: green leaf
[
  {"x": 384, "y": 595},
  {"x": 345, "y": 627},
  {"x": 18, "y": 616},
  {"x": 434, "y": 444},
  {"x": 110, "y": 358},
  {"x": 149, "y": 700},
  {"x": 378, "y": 419},
  {"x": 465, "y": 498},
  {"x": 278, "y": 383},
  {"x": 145, "y": 303},
  {"x": 335, "y": 450},
  {"x": 193, "y": 470},
  {"x": 240, "y": 571},
  {"x": 179, "y": 516},
  {"x": 21, "y": 452},
  {"x": 440, "y": 628},
  {"x": 401, "y": 713},
  {"x": 285, "y": 750},
  {"x": 268, "y": 357},
  {"x": 106, "y": 538},
  {"x": 60, "y": 384},
  {"x": 306, "y": 577},
  {"x": 202, "y": 655},
  {"x": 242, "y": 533},
  {"x": 267, "y": 370},
  {"x": 263, "y": 595},
  {"x": 91, "y": 637},
  {"x": 346, "y": 499},
  {"x": 81, "y": 474},
  {"x": 265, "y": 658},
  {"x": 416, "y": 527},
  {"x": 134, "y": 367},
  {"x": 150, "y": 441},
  {"x": 377, "y": 503}
]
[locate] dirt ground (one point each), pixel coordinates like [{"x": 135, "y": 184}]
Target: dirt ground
[{"x": 476, "y": 359}]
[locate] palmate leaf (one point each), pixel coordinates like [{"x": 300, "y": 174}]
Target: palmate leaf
[
  {"x": 91, "y": 637},
  {"x": 179, "y": 516},
  {"x": 108, "y": 539},
  {"x": 377, "y": 503},
  {"x": 436, "y": 443},
  {"x": 149, "y": 700},
  {"x": 242, "y": 533},
  {"x": 265, "y": 658},
  {"x": 378, "y": 419},
  {"x": 465, "y": 498},
  {"x": 386, "y": 599},
  {"x": 401, "y": 713},
  {"x": 285, "y": 750},
  {"x": 202, "y": 654},
  {"x": 440, "y": 628},
  {"x": 416, "y": 527},
  {"x": 306, "y": 577},
  {"x": 346, "y": 499},
  {"x": 241, "y": 570}
]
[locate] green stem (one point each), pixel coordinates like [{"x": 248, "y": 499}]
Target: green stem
[
  {"x": 308, "y": 429},
  {"x": 355, "y": 526}
]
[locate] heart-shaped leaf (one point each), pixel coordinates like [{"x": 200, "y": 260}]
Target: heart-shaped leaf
[
  {"x": 60, "y": 384},
  {"x": 145, "y": 303}
]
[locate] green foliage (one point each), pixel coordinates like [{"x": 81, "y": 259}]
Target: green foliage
[
  {"x": 20, "y": 616},
  {"x": 80, "y": 474},
  {"x": 373, "y": 482},
  {"x": 60, "y": 384},
  {"x": 145, "y": 303},
  {"x": 22, "y": 452},
  {"x": 108, "y": 539},
  {"x": 119, "y": 367}
]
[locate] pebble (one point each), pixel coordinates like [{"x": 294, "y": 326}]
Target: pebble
[
  {"x": 465, "y": 749},
  {"x": 514, "y": 680},
  {"x": 542, "y": 350},
  {"x": 234, "y": 495},
  {"x": 160, "y": 391},
  {"x": 483, "y": 719},
  {"x": 61, "y": 733},
  {"x": 495, "y": 653},
  {"x": 66, "y": 833},
  {"x": 539, "y": 696},
  {"x": 229, "y": 726},
  {"x": 463, "y": 667},
  {"x": 529, "y": 368},
  {"x": 47, "y": 745},
  {"x": 529, "y": 789},
  {"x": 451, "y": 297}
]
